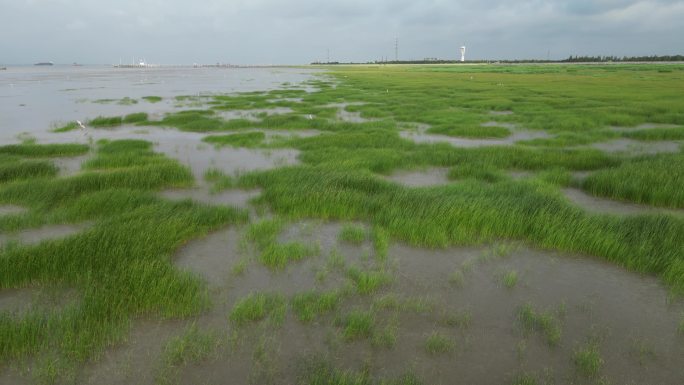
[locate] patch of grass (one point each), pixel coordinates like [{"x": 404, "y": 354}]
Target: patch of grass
[
  {"x": 542, "y": 322},
  {"x": 277, "y": 256},
  {"x": 471, "y": 131},
  {"x": 319, "y": 372},
  {"x": 510, "y": 279},
  {"x": 386, "y": 337},
  {"x": 437, "y": 343},
  {"x": 257, "y": 307},
  {"x": 381, "y": 241},
  {"x": 358, "y": 325},
  {"x": 656, "y": 134},
  {"x": 135, "y": 118},
  {"x": 14, "y": 170},
  {"x": 477, "y": 171},
  {"x": 192, "y": 346},
  {"x": 368, "y": 282},
  {"x": 353, "y": 234},
  {"x": 588, "y": 360},
  {"x": 457, "y": 278},
  {"x": 656, "y": 180},
  {"x": 127, "y": 101},
  {"x": 66, "y": 127},
  {"x": 247, "y": 139},
  {"x": 312, "y": 304},
  {"x": 44, "y": 150},
  {"x": 103, "y": 121},
  {"x": 461, "y": 320},
  {"x": 152, "y": 99},
  {"x": 219, "y": 179},
  {"x": 264, "y": 232}
]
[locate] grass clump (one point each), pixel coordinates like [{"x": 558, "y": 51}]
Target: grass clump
[
  {"x": 588, "y": 360},
  {"x": 264, "y": 232},
  {"x": 656, "y": 180},
  {"x": 257, "y": 307},
  {"x": 525, "y": 379},
  {"x": 353, "y": 234},
  {"x": 461, "y": 320},
  {"x": 31, "y": 150},
  {"x": 381, "y": 241},
  {"x": 15, "y": 170},
  {"x": 192, "y": 346},
  {"x": 312, "y": 304},
  {"x": 152, "y": 99},
  {"x": 437, "y": 343},
  {"x": 656, "y": 134},
  {"x": 368, "y": 282},
  {"x": 247, "y": 139},
  {"x": 542, "y": 322},
  {"x": 319, "y": 372},
  {"x": 277, "y": 256},
  {"x": 358, "y": 325},
  {"x": 103, "y": 121},
  {"x": 135, "y": 118},
  {"x": 219, "y": 179},
  {"x": 66, "y": 127},
  {"x": 510, "y": 279}
]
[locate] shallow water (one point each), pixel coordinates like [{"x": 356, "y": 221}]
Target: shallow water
[
  {"x": 34, "y": 98},
  {"x": 585, "y": 295},
  {"x": 19, "y": 301},
  {"x": 420, "y": 136},
  {"x": 237, "y": 198},
  {"x": 637, "y": 147},
  {"x": 423, "y": 178},
  {"x": 11, "y": 210},
  {"x": 594, "y": 204},
  {"x": 37, "y": 235},
  {"x": 252, "y": 114}
]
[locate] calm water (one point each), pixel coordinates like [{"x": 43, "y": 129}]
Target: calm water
[{"x": 34, "y": 99}]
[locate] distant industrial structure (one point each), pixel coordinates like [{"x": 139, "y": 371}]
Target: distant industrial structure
[{"x": 462, "y": 53}]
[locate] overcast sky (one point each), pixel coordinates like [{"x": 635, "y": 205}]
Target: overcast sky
[{"x": 301, "y": 31}]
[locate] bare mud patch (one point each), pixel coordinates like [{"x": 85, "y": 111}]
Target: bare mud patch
[
  {"x": 423, "y": 178},
  {"x": 70, "y": 166}
]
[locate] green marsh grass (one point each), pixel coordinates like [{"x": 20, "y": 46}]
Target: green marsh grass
[
  {"x": 152, "y": 99},
  {"x": 588, "y": 360},
  {"x": 460, "y": 319},
  {"x": 247, "y": 139},
  {"x": 353, "y": 234},
  {"x": 193, "y": 346},
  {"x": 70, "y": 126},
  {"x": 510, "y": 279},
  {"x": 220, "y": 181},
  {"x": 656, "y": 180},
  {"x": 14, "y": 170},
  {"x": 120, "y": 267},
  {"x": 309, "y": 305},
  {"x": 656, "y": 134},
  {"x": 437, "y": 343},
  {"x": 319, "y": 372},
  {"x": 257, "y": 307},
  {"x": 358, "y": 325},
  {"x": 543, "y": 322},
  {"x": 368, "y": 282},
  {"x": 103, "y": 121},
  {"x": 279, "y": 255},
  {"x": 31, "y": 150}
]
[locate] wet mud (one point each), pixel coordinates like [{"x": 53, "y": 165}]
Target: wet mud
[
  {"x": 40, "y": 234},
  {"x": 594, "y": 204},
  {"x": 423, "y": 178}
]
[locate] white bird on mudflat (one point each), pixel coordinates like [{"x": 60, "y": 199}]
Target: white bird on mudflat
[{"x": 83, "y": 127}]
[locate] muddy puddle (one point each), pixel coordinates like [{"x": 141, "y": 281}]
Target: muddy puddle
[
  {"x": 70, "y": 166},
  {"x": 11, "y": 210},
  {"x": 349, "y": 116},
  {"x": 44, "y": 233},
  {"x": 253, "y": 115},
  {"x": 627, "y": 316},
  {"x": 500, "y": 113},
  {"x": 594, "y": 204},
  {"x": 419, "y": 135},
  {"x": 421, "y": 178},
  {"x": 21, "y": 301},
  {"x": 236, "y": 198},
  {"x": 633, "y": 147},
  {"x": 645, "y": 126},
  {"x": 188, "y": 148}
]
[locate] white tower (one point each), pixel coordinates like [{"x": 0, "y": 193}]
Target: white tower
[{"x": 463, "y": 53}]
